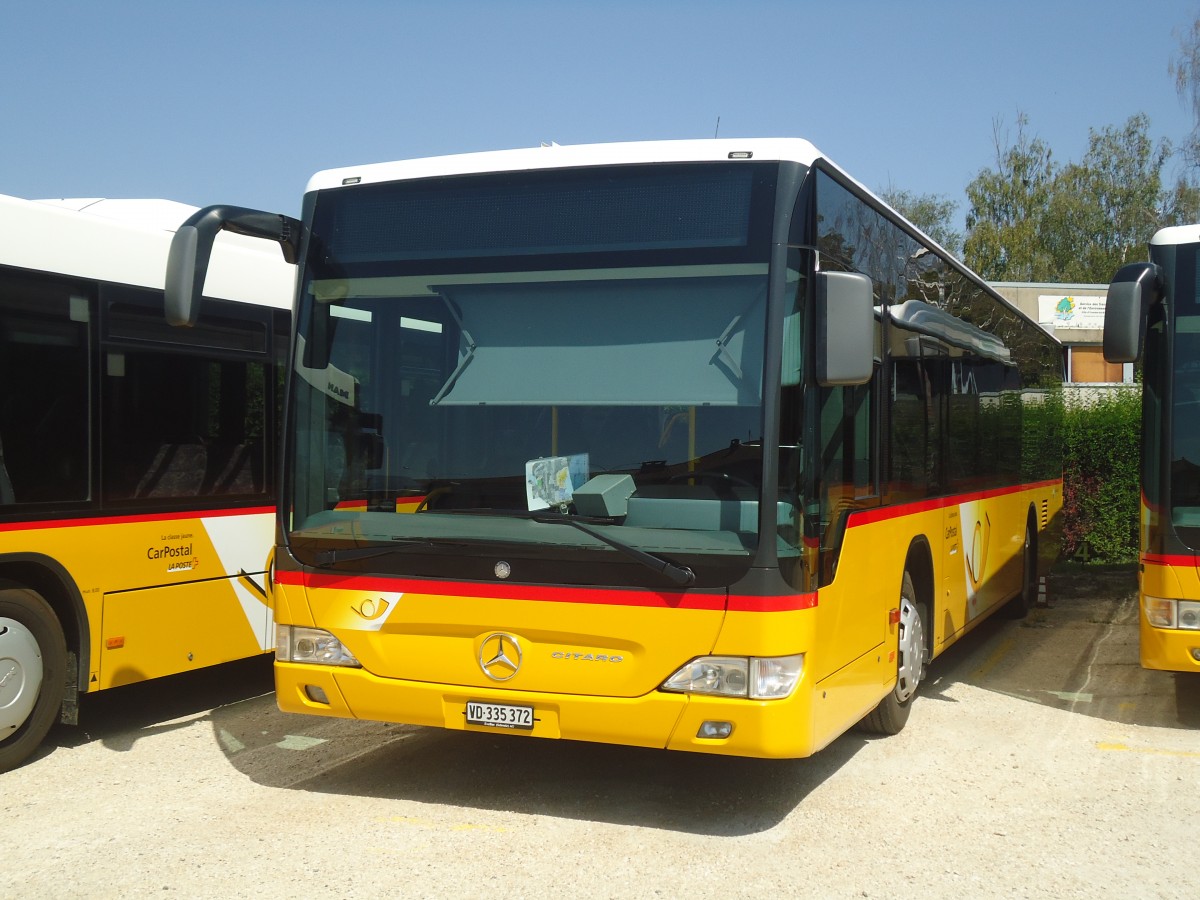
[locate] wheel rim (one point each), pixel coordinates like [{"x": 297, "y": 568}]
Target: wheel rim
[
  {"x": 911, "y": 667},
  {"x": 20, "y": 675}
]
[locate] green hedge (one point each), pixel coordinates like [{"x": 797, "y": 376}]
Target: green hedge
[{"x": 1101, "y": 455}]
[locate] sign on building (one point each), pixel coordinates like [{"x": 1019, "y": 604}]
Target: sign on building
[{"x": 1067, "y": 311}]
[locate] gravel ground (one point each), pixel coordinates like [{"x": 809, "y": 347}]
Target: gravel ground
[{"x": 1040, "y": 761}]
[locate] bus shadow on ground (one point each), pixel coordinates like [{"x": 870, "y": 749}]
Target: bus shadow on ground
[
  {"x": 649, "y": 788},
  {"x": 1079, "y": 655},
  {"x": 120, "y": 717}
]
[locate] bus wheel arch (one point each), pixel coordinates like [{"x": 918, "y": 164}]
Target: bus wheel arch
[
  {"x": 49, "y": 580},
  {"x": 33, "y": 672},
  {"x": 913, "y": 643},
  {"x": 1026, "y": 599}
]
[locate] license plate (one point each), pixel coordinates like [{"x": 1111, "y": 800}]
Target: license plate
[{"x": 499, "y": 715}]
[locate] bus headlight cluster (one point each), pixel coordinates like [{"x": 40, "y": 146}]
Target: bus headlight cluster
[
  {"x": 294, "y": 643},
  {"x": 1164, "y": 613},
  {"x": 756, "y": 677}
]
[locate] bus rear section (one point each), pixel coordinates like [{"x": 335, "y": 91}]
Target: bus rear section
[{"x": 136, "y": 459}]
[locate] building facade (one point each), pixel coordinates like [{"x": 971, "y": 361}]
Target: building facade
[{"x": 1073, "y": 313}]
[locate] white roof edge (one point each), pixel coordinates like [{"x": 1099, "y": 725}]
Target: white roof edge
[
  {"x": 166, "y": 215},
  {"x": 72, "y": 238},
  {"x": 568, "y": 155},
  {"x": 1177, "y": 234}
]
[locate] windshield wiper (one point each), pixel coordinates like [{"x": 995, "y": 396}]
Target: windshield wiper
[
  {"x": 333, "y": 556},
  {"x": 681, "y": 575}
]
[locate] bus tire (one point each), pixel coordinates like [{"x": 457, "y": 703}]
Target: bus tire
[
  {"x": 33, "y": 673},
  {"x": 912, "y": 657},
  {"x": 1019, "y": 606}
]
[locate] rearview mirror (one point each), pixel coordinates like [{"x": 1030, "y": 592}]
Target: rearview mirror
[
  {"x": 191, "y": 249},
  {"x": 845, "y": 322},
  {"x": 1134, "y": 289}
]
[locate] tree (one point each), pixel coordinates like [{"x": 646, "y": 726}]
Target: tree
[
  {"x": 932, "y": 213},
  {"x": 1105, "y": 208},
  {"x": 1185, "y": 69},
  {"x": 1007, "y": 206},
  {"x": 1032, "y": 220}
]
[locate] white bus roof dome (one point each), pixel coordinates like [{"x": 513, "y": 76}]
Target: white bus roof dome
[{"x": 165, "y": 215}]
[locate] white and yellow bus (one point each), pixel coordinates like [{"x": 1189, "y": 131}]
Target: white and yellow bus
[
  {"x": 1153, "y": 314},
  {"x": 137, "y": 461},
  {"x": 692, "y": 445}
]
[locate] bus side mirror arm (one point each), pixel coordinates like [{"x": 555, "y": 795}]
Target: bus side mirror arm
[
  {"x": 845, "y": 323},
  {"x": 1135, "y": 288},
  {"x": 191, "y": 249}
]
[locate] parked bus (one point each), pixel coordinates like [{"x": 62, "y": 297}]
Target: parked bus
[
  {"x": 137, "y": 485},
  {"x": 694, "y": 445},
  {"x": 1153, "y": 314}
]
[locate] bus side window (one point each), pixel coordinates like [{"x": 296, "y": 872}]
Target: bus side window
[
  {"x": 847, "y": 466},
  {"x": 44, "y": 420},
  {"x": 6, "y": 490},
  {"x": 180, "y": 423}
]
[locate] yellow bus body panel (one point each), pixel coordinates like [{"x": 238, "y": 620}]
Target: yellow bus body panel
[
  {"x": 610, "y": 647},
  {"x": 1167, "y": 649},
  {"x": 421, "y": 651},
  {"x": 765, "y": 728},
  {"x": 161, "y": 594}
]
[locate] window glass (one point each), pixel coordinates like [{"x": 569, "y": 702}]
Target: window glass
[
  {"x": 913, "y": 428},
  {"x": 653, "y": 208},
  {"x": 1185, "y": 418},
  {"x": 44, "y": 424},
  {"x": 177, "y": 423}
]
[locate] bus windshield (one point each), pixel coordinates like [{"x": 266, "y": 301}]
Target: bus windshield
[
  {"x": 481, "y": 357},
  {"x": 1185, "y": 420}
]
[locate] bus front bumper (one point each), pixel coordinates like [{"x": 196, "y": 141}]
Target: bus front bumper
[
  {"x": 1169, "y": 650},
  {"x": 776, "y": 729}
]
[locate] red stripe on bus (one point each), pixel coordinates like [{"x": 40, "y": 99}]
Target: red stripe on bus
[
  {"x": 787, "y": 603},
  {"x": 1158, "y": 559},
  {"x": 547, "y": 594},
  {"x": 137, "y": 519},
  {"x": 883, "y": 513}
]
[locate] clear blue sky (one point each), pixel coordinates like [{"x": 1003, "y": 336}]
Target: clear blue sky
[{"x": 240, "y": 101}]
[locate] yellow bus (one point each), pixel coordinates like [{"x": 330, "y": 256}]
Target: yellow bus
[
  {"x": 692, "y": 445},
  {"x": 1153, "y": 314},
  {"x": 137, "y": 487}
]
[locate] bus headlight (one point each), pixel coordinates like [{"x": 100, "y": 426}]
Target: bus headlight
[
  {"x": 294, "y": 643},
  {"x": 1164, "y": 613},
  {"x": 756, "y": 677},
  {"x": 1160, "y": 612}
]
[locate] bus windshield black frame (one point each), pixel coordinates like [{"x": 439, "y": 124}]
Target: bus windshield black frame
[
  {"x": 479, "y": 348},
  {"x": 1183, "y": 452}
]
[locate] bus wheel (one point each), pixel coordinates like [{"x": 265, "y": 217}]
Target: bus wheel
[
  {"x": 911, "y": 658},
  {"x": 33, "y": 673},
  {"x": 1019, "y": 606}
]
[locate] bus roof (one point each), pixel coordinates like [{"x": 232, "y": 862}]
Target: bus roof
[
  {"x": 126, "y": 242},
  {"x": 1177, "y": 234},
  {"x": 165, "y": 215},
  {"x": 556, "y": 156}
]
